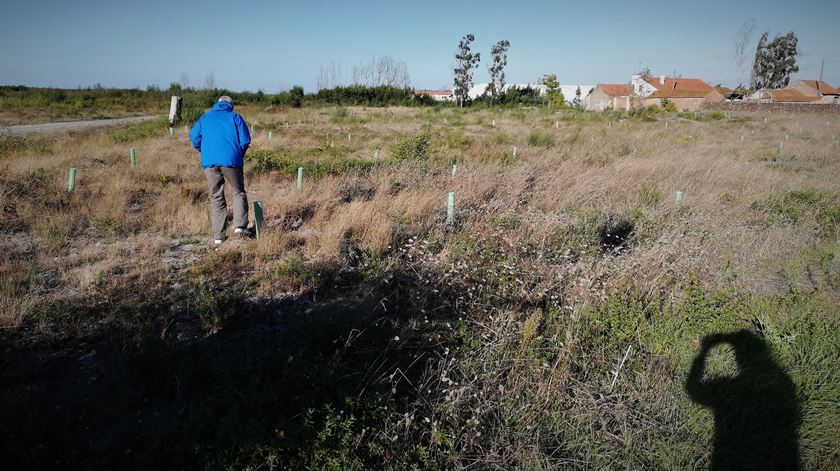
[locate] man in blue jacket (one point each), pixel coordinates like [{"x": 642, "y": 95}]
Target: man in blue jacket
[{"x": 222, "y": 137}]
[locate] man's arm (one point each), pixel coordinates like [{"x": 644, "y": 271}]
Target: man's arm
[
  {"x": 195, "y": 135},
  {"x": 243, "y": 133},
  {"x": 697, "y": 389}
]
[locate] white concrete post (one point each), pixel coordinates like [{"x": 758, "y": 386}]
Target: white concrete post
[{"x": 175, "y": 110}]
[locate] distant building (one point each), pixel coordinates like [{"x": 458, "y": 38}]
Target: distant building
[
  {"x": 686, "y": 93},
  {"x": 569, "y": 92},
  {"x": 824, "y": 92},
  {"x": 437, "y": 95},
  {"x": 782, "y": 95},
  {"x": 643, "y": 86},
  {"x": 610, "y": 96},
  {"x": 728, "y": 93}
]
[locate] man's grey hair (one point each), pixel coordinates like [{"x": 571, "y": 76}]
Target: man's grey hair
[{"x": 226, "y": 98}]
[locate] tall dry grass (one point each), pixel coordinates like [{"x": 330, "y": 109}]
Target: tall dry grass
[
  {"x": 626, "y": 167},
  {"x": 525, "y": 369}
]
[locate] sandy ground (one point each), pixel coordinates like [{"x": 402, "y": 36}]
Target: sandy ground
[{"x": 71, "y": 125}]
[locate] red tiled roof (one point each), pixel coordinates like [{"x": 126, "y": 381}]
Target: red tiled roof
[
  {"x": 616, "y": 89},
  {"x": 433, "y": 92},
  {"x": 790, "y": 95},
  {"x": 723, "y": 90},
  {"x": 681, "y": 84},
  {"x": 820, "y": 86}
]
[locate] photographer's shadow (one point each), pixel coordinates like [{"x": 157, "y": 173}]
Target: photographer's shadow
[{"x": 756, "y": 412}]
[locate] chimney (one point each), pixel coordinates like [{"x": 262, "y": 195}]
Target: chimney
[{"x": 661, "y": 80}]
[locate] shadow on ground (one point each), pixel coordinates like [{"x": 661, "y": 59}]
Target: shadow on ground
[
  {"x": 756, "y": 412},
  {"x": 100, "y": 403}
]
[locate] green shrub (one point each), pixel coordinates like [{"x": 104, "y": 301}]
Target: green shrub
[
  {"x": 668, "y": 106},
  {"x": 500, "y": 138},
  {"x": 280, "y": 160},
  {"x": 649, "y": 194},
  {"x": 339, "y": 114},
  {"x": 216, "y": 307},
  {"x": 139, "y": 131},
  {"x": 10, "y": 143},
  {"x": 412, "y": 148},
  {"x": 540, "y": 139},
  {"x": 798, "y": 207}
]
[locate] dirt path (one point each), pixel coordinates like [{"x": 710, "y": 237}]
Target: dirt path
[{"x": 71, "y": 125}]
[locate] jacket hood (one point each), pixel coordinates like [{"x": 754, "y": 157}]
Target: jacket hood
[{"x": 223, "y": 106}]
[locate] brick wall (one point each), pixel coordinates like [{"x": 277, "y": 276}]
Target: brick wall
[{"x": 773, "y": 107}]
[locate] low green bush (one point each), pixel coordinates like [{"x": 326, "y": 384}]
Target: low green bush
[
  {"x": 139, "y": 131},
  {"x": 412, "y": 148},
  {"x": 538, "y": 138}
]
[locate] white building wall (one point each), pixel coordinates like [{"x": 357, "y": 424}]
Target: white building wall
[{"x": 641, "y": 87}]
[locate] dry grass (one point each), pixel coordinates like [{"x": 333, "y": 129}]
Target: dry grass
[{"x": 526, "y": 224}]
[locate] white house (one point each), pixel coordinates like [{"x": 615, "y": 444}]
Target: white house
[
  {"x": 570, "y": 90},
  {"x": 643, "y": 87},
  {"x": 437, "y": 95}
]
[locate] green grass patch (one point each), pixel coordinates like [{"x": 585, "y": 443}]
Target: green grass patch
[
  {"x": 412, "y": 148},
  {"x": 816, "y": 206},
  {"x": 139, "y": 131},
  {"x": 539, "y": 138},
  {"x": 313, "y": 167}
]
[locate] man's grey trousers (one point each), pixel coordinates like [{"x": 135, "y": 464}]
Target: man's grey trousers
[{"x": 216, "y": 178}]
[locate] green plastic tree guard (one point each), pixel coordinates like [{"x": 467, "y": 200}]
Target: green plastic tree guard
[
  {"x": 259, "y": 218},
  {"x": 450, "y": 207}
]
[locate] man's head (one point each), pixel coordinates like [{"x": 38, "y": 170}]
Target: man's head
[{"x": 226, "y": 98}]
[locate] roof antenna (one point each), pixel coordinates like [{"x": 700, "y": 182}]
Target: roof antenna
[{"x": 822, "y": 64}]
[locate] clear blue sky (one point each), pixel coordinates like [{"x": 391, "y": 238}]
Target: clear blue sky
[{"x": 272, "y": 45}]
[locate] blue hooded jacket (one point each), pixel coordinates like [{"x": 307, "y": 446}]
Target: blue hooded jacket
[{"x": 221, "y": 136}]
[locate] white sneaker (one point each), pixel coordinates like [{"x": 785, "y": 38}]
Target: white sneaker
[{"x": 243, "y": 232}]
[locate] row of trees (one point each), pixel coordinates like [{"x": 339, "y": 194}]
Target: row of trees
[
  {"x": 386, "y": 81},
  {"x": 382, "y": 71}
]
